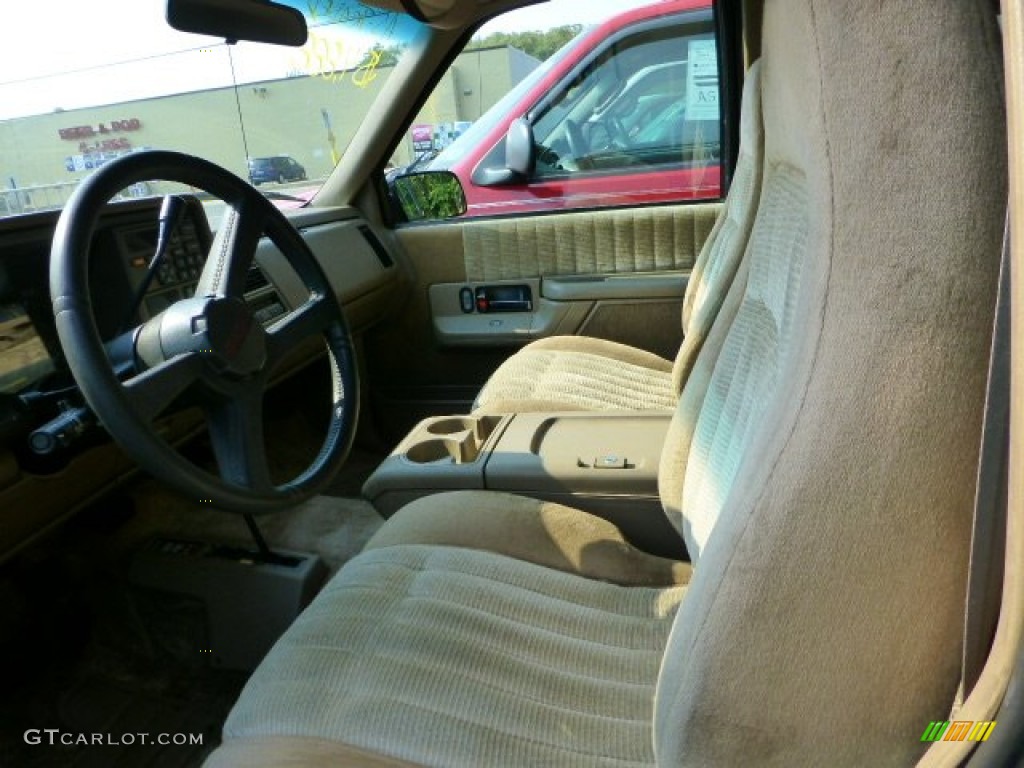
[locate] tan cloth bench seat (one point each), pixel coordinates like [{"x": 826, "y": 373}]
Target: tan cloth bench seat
[
  {"x": 821, "y": 467},
  {"x": 452, "y": 656}
]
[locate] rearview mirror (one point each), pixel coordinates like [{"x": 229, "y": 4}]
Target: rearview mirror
[
  {"x": 259, "y": 21},
  {"x": 429, "y": 195}
]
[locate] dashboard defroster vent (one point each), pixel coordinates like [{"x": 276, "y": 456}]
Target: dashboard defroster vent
[
  {"x": 255, "y": 280},
  {"x": 262, "y": 297}
]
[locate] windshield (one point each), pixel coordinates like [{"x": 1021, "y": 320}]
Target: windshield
[{"x": 113, "y": 78}]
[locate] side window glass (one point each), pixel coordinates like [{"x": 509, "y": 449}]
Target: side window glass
[
  {"x": 610, "y": 103},
  {"x": 649, "y": 101}
]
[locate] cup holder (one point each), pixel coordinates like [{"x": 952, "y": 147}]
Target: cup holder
[
  {"x": 481, "y": 427},
  {"x": 451, "y": 426},
  {"x": 452, "y": 439},
  {"x": 429, "y": 451}
]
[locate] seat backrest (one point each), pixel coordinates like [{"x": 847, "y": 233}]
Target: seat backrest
[
  {"x": 827, "y": 441},
  {"x": 715, "y": 268}
]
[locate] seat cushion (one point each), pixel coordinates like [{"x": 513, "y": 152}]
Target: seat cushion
[
  {"x": 448, "y": 656},
  {"x": 572, "y": 373},
  {"x": 540, "y": 532}
]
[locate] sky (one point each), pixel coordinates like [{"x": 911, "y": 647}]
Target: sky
[{"x": 55, "y": 55}]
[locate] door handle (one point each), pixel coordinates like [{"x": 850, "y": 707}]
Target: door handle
[{"x": 502, "y": 298}]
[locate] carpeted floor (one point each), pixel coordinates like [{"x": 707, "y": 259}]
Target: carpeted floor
[{"x": 334, "y": 527}]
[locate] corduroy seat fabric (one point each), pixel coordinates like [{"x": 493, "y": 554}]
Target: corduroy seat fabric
[
  {"x": 569, "y": 373},
  {"x": 570, "y": 681},
  {"x": 820, "y": 465}
]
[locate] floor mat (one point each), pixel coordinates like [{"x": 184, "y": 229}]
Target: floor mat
[
  {"x": 107, "y": 723},
  {"x": 113, "y": 679},
  {"x": 192, "y": 717}
]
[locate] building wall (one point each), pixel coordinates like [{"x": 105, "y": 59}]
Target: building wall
[{"x": 476, "y": 80}]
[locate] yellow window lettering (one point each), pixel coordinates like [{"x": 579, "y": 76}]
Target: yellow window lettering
[{"x": 366, "y": 73}]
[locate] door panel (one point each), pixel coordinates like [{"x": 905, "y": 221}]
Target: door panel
[
  {"x": 618, "y": 275},
  {"x": 592, "y": 242}
]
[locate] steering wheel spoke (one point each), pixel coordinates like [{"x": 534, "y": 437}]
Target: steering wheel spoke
[
  {"x": 310, "y": 319},
  {"x": 153, "y": 390},
  {"x": 236, "y": 433},
  {"x": 232, "y": 252}
]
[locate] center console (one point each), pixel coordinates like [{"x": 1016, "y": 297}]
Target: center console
[{"x": 605, "y": 464}]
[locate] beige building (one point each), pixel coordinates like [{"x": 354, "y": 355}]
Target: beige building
[{"x": 309, "y": 118}]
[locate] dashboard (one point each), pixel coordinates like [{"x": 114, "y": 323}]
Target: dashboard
[
  {"x": 36, "y": 389},
  {"x": 120, "y": 257},
  {"x": 38, "y": 489}
]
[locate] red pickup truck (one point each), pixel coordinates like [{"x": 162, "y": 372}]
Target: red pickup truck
[{"x": 625, "y": 113}]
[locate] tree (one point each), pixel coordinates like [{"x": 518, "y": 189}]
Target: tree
[
  {"x": 537, "y": 43},
  {"x": 389, "y": 55}
]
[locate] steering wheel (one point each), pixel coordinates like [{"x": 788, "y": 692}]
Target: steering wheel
[{"x": 209, "y": 345}]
